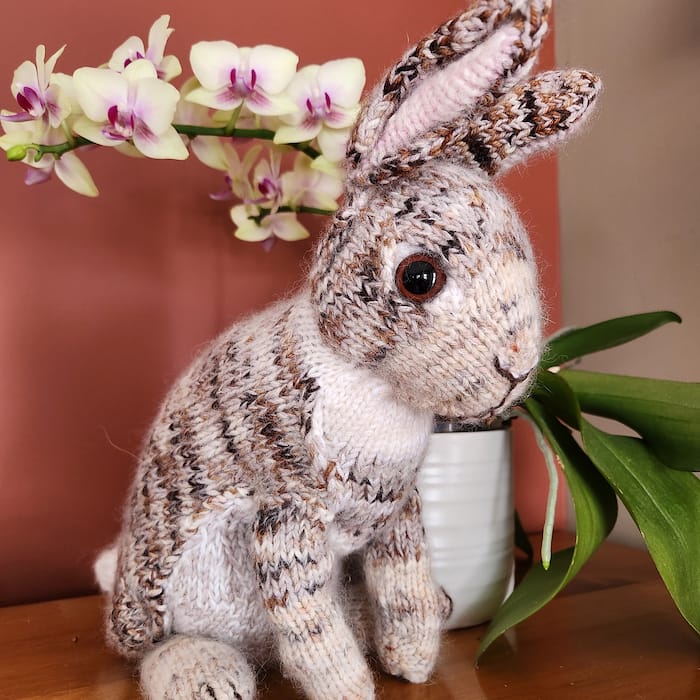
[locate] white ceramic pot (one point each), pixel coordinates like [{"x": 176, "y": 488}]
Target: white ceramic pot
[{"x": 467, "y": 491}]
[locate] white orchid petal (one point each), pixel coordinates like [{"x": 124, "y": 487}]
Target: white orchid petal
[
  {"x": 286, "y": 226},
  {"x": 210, "y": 152},
  {"x": 302, "y": 89},
  {"x": 40, "y": 60},
  {"x": 249, "y": 158},
  {"x": 212, "y": 62},
  {"x": 319, "y": 200},
  {"x": 333, "y": 143},
  {"x": 262, "y": 171},
  {"x": 342, "y": 117},
  {"x": 293, "y": 184},
  {"x": 323, "y": 165},
  {"x": 324, "y": 194},
  {"x": 97, "y": 89},
  {"x": 167, "y": 145},
  {"x": 129, "y": 150},
  {"x": 222, "y": 99},
  {"x": 37, "y": 174},
  {"x": 141, "y": 69},
  {"x": 274, "y": 67},
  {"x": 154, "y": 102},
  {"x": 240, "y": 213},
  {"x": 169, "y": 68},
  {"x": 51, "y": 64},
  {"x": 310, "y": 187},
  {"x": 304, "y": 83},
  {"x": 58, "y": 105},
  {"x": 63, "y": 84},
  {"x": 295, "y": 118},
  {"x": 71, "y": 171},
  {"x": 264, "y": 104},
  {"x": 297, "y": 134},
  {"x": 251, "y": 232},
  {"x": 92, "y": 131},
  {"x": 126, "y": 53},
  {"x": 33, "y": 129},
  {"x": 343, "y": 80},
  {"x": 239, "y": 171},
  {"x": 15, "y": 138},
  {"x": 158, "y": 38},
  {"x": 25, "y": 76}
]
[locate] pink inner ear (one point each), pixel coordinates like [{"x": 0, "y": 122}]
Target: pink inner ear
[{"x": 443, "y": 95}]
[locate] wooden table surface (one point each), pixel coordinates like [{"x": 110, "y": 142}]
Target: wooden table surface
[{"x": 613, "y": 634}]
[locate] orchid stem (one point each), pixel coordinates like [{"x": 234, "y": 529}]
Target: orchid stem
[
  {"x": 301, "y": 209},
  {"x": 191, "y": 130},
  {"x": 58, "y": 149},
  {"x": 231, "y": 126}
]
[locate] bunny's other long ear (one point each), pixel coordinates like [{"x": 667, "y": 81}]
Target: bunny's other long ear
[
  {"x": 467, "y": 62},
  {"x": 534, "y": 116}
]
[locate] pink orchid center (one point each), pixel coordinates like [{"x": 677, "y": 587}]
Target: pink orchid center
[
  {"x": 30, "y": 101},
  {"x": 319, "y": 107},
  {"x": 121, "y": 124},
  {"x": 240, "y": 87},
  {"x": 137, "y": 56},
  {"x": 269, "y": 188}
]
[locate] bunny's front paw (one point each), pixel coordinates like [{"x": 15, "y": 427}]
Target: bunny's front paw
[
  {"x": 409, "y": 642},
  {"x": 410, "y": 651},
  {"x": 342, "y": 675}
]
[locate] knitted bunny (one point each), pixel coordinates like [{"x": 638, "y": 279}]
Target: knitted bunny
[{"x": 295, "y": 438}]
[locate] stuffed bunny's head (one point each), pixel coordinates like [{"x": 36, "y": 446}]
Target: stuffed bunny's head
[{"x": 426, "y": 275}]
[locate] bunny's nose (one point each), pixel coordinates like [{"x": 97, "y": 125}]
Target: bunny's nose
[{"x": 513, "y": 377}]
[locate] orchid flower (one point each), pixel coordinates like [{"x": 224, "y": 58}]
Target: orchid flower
[
  {"x": 327, "y": 99},
  {"x": 38, "y": 91},
  {"x": 221, "y": 155},
  {"x": 267, "y": 188},
  {"x": 130, "y": 105},
  {"x": 231, "y": 76},
  {"x": 327, "y": 166},
  {"x": 282, "y": 224},
  {"x": 133, "y": 106},
  {"x": 187, "y": 112},
  {"x": 312, "y": 187},
  {"x": 69, "y": 169},
  {"x": 167, "y": 67},
  {"x": 259, "y": 218}
]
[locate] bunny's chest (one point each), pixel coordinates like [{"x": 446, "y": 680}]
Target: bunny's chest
[{"x": 368, "y": 447}]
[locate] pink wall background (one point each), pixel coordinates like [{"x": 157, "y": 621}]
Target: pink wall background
[{"x": 103, "y": 302}]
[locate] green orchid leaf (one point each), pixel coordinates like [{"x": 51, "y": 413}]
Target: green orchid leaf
[
  {"x": 664, "y": 503},
  {"x": 522, "y": 541},
  {"x": 596, "y": 512},
  {"x": 552, "y": 391},
  {"x": 665, "y": 413},
  {"x": 576, "y": 342}
]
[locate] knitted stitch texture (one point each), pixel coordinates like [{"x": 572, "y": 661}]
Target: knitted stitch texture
[{"x": 293, "y": 441}]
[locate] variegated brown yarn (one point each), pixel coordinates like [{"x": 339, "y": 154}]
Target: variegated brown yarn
[
  {"x": 450, "y": 41},
  {"x": 529, "y": 118},
  {"x": 294, "y": 440}
]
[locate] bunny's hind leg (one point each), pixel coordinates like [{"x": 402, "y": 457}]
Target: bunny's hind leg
[{"x": 189, "y": 668}]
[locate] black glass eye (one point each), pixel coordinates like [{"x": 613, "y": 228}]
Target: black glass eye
[{"x": 420, "y": 277}]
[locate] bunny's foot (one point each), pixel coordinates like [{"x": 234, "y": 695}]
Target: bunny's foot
[{"x": 185, "y": 668}]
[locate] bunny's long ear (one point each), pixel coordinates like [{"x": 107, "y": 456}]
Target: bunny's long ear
[
  {"x": 534, "y": 116},
  {"x": 468, "y": 62}
]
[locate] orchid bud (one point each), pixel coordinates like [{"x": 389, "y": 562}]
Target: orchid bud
[{"x": 18, "y": 152}]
